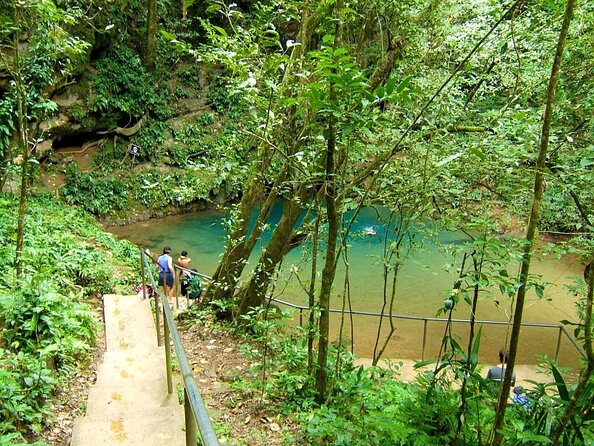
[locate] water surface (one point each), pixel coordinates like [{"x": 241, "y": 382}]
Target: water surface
[{"x": 423, "y": 284}]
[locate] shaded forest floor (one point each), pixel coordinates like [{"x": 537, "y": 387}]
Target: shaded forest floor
[{"x": 241, "y": 416}]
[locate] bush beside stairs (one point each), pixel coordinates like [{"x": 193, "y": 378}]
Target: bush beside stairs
[{"x": 129, "y": 403}]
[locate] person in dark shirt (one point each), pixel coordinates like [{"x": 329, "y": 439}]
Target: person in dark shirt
[
  {"x": 497, "y": 372},
  {"x": 166, "y": 273}
]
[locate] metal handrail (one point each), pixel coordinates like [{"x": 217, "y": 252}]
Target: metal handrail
[
  {"x": 195, "y": 411},
  {"x": 192, "y": 272},
  {"x": 561, "y": 328},
  {"x": 301, "y": 308}
]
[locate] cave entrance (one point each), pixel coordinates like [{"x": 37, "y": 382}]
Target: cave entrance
[{"x": 75, "y": 142}]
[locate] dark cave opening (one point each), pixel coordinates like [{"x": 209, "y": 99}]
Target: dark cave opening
[{"x": 75, "y": 140}]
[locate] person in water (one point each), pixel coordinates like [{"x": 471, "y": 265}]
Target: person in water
[
  {"x": 369, "y": 230},
  {"x": 184, "y": 261},
  {"x": 497, "y": 372},
  {"x": 166, "y": 273}
]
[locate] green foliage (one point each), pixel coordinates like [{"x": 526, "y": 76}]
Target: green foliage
[
  {"x": 26, "y": 384},
  {"x": 190, "y": 76},
  {"x": 223, "y": 99},
  {"x": 47, "y": 328},
  {"x": 122, "y": 84},
  {"x": 156, "y": 189},
  {"x": 99, "y": 196},
  {"x": 38, "y": 319},
  {"x": 380, "y": 411},
  {"x": 152, "y": 138},
  {"x": 280, "y": 358}
]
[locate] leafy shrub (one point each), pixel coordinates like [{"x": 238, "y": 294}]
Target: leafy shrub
[
  {"x": 99, "y": 196},
  {"x": 559, "y": 212},
  {"x": 25, "y": 384},
  {"x": 122, "y": 84},
  {"x": 37, "y": 319},
  {"x": 45, "y": 333},
  {"x": 223, "y": 99},
  {"x": 152, "y": 138},
  {"x": 190, "y": 76},
  {"x": 156, "y": 189}
]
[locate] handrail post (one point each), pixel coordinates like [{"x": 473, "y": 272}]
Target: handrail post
[
  {"x": 424, "y": 338},
  {"x": 158, "y": 319},
  {"x": 558, "y": 344},
  {"x": 301, "y": 317},
  {"x": 176, "y": 288},
  {"x": 142, "y": 274},
  {"x": 191, "y": 428},
  {"x": 167, "y": 353}
]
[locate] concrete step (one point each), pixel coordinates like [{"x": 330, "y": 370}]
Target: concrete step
[
  {"x": 122, "y": 396},
  {"x": 128, "y": 322},
  {"x": 152, "y": 427},
  {"x": 131, "y": 364}
]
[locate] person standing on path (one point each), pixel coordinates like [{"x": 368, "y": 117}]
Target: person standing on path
[
  {"x": 497, "y": 372},
  {"x": 184, "y": 261},
  {"x": 166, "y": 273}
]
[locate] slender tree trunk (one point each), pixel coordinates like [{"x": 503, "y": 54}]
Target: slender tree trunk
[
  {"x": 255, "y": 291},
  {"x": 150, "y": 55},
  {"x": 311, "y": 322},
  {"x": 23, "y": 131},
  {"x": 463, "y": 400},
  {"x": 329, "y": 269},
  {"x": 532, "y": 225}
]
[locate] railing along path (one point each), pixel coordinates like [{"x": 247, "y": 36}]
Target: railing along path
[
  {"x": 196, "y": 415},
  {"x": 562, "y": 330}
]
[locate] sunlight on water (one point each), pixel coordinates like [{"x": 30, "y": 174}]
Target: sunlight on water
[{"x": 423, "y": 284}]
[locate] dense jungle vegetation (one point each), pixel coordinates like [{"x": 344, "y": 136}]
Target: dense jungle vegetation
[{"x": 474, "y": 116}]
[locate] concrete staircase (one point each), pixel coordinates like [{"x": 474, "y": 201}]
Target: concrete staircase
[{"x": 129, "y": 404}]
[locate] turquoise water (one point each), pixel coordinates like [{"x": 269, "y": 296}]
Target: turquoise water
[{"x": 423, "y": 283}]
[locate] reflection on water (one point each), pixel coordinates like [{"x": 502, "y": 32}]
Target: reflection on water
[{"x": 423, "y": 284}]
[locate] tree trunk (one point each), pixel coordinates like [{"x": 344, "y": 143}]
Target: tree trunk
[
  {"x": 532, "y": 225},
  {"x": 329, "y": 265},
  {"x": 241, "y": 243},
  {"x": 254, "y": 292},
  {"x": 23, "y": 131},
  {"x": 239, "y": 247},
  {"x": 311, "y": 322},
  {"x": 150, "y": 54}
]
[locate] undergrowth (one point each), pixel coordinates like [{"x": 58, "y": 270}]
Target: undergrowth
[
  {"x": 48, "y": 320},
  {"x": 373, "y": 406}
]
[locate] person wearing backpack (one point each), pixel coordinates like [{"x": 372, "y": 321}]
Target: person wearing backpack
[{"x": 193, "y": 286}]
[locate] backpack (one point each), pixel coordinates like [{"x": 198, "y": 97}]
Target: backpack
[{"x": 194, "y": 288}]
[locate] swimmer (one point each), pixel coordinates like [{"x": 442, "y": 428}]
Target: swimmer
[{"x": 369, "y": 230}]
